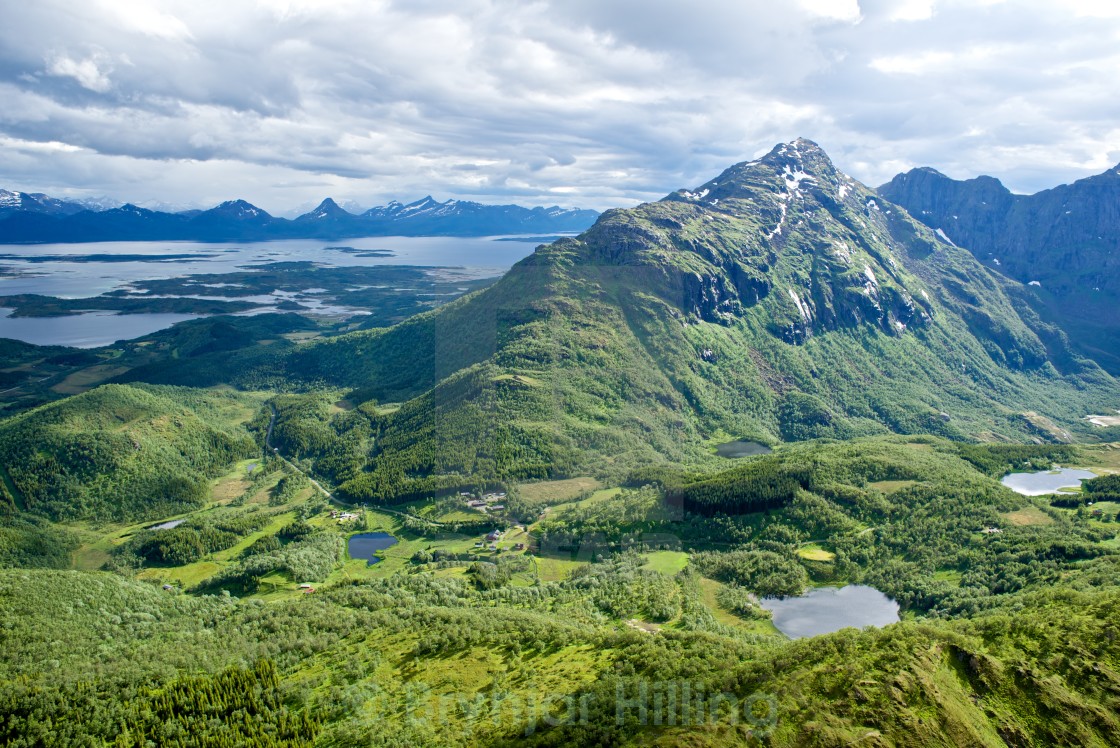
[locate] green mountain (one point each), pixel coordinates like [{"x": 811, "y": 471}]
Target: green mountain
[
  {"x": 780, "y": 301},
  {"x": 1061, "y": 241},
  {"x": 121, "y": 452}
]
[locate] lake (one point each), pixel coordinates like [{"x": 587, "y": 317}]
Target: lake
[
  {"x": 737, "y": 449},
  {"x": 1046, "y": 481},
  {"x": 72, "y": 271},
  {"x": 87, "y": 330},
  {"x": 823, "y": 610},
  {"x": 367, "y": 544},
  {"x": 170, "y": 525}
]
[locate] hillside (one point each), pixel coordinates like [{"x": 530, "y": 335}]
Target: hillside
[
  {"x": 121, "y": 452},
  {"x": 996, "y": 681},
  {"x": 1061, "y": 241},
  {"x": 778, "y": 302},
  {"x": 1007, "y": 638}
]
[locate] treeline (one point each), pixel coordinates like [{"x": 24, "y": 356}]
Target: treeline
[
  {"x": 1102, "y": 488},
  {"x": 997, "y": 460},
  {"x": 298, "y": 551},
  {"x": 236, "y": 708},
  {"x": 765, "y": 572},
  {"x": 190, "y": 541},
  {"x": 30, "y": 542},
  {"x": 759, "y": 485}
]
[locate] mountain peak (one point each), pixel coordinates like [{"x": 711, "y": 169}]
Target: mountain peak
[
  {"x": 802, "y": 155},
  {"x": 788, "y": 168},
  {"x": 235, "y": 211},
  {"x": 787, "y": 232},
  {"x": 328, "y": 209}
]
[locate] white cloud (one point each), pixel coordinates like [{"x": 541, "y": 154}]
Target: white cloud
[
  {"x": 48, "y": 146},
  {"x": 837, "y": 10},
  {"x": 589, "y": 102},
  {"x": 145, "y": 17},
  {"x": 913, "y": 10},
  {"x": 91, "y": 72},
  {"x": 1095, "y": 8}
]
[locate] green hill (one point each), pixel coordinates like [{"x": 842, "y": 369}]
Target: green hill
[
  {"x": 121, "y": 452},
  {"x": 778, "y": 302},
  {"x": 425, "y": 661}
]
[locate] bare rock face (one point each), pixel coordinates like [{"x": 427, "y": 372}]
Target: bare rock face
[
  {"x": 788, "y": 233},
  {"x": 1063, "y": 243}
]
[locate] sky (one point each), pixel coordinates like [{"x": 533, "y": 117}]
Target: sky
[{"x": 590, "y": 103}]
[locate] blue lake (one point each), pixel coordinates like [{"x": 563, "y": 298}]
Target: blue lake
[
  {"x": 823, "y": 610},
  {"x": 1046, "y": 481},
  {"x": 367, "y": 544}
]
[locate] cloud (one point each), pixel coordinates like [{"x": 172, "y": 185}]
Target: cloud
[
  {"x": 572, "y": 101},
  {"x": 91, "y": 72}
]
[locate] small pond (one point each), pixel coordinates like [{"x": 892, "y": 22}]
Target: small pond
[
  {"x": 170, "y": 525},
  {"x": 742, "y": 449},
  {"x": 823, "y": 610},
  {"x": 367, "y": 544},
  {"x": 1046, "y": 481}
]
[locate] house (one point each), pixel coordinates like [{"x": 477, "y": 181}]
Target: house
[
  {"x": 306, "y": 587},
  {"x": 494, "y": 535},
  {"x": 497, "y": 507},
  {"x": 519, "y": 547},
  {"x": 991, "y": 530},
  {"x": 493, "y": 547}
]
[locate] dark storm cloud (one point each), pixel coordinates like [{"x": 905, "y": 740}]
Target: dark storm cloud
[{"x": 573, "y": 102}]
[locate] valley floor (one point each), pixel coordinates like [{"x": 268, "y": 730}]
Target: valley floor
[{"x": 586, "y": 621}]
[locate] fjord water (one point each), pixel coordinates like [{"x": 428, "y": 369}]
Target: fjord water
[
  {"x": 1046, "y": 481},
  {"x": 85, "y": 270},
  {"x": 87, "y": 330},
  {"x": 367, "y": 544},
  {"x": 823, "y": 610}
]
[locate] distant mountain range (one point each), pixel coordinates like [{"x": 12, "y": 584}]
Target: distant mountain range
[
  {"x": 1064, "y": 243},
  {"x": 36, "y": 218}
]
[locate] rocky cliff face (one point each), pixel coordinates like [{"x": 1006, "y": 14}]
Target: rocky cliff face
[
  {"x": 788, "y": 232},
  {"x": 1064, "y": 243}
]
